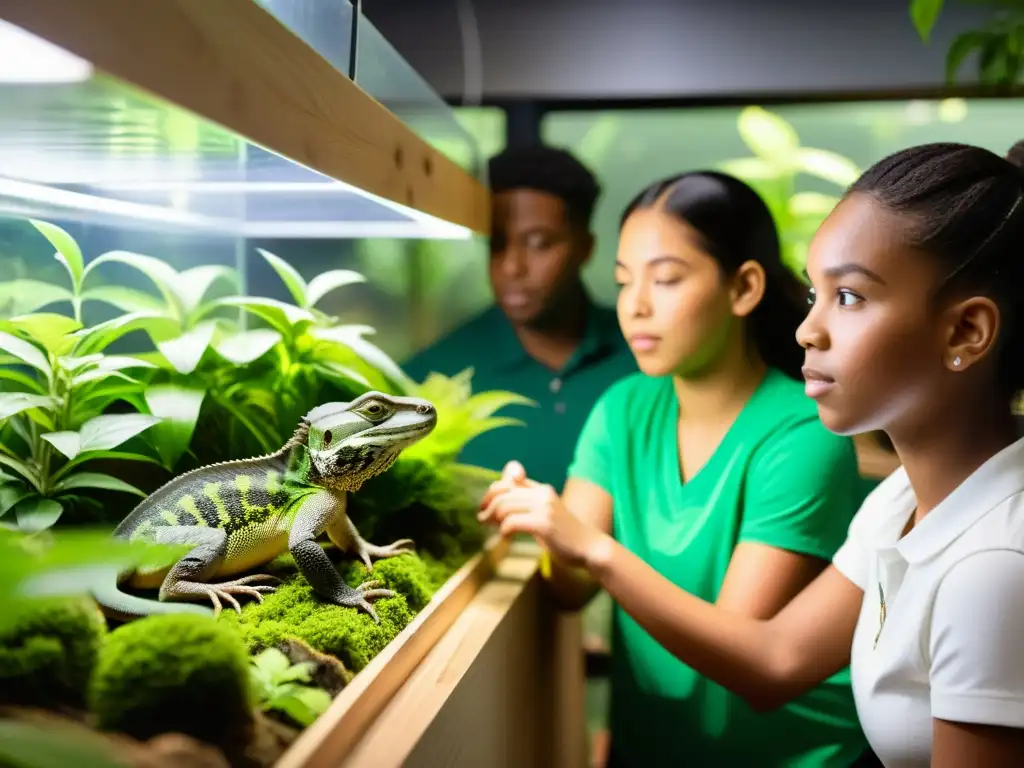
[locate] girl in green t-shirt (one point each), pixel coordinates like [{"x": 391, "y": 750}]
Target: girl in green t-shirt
[{"x": 712, "y": 467}]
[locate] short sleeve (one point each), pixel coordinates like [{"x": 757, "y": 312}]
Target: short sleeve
[
  {"x": 802, "y": 491},
  {"x": 976, "y": 629},
  {"x": 592, "y": 460}
]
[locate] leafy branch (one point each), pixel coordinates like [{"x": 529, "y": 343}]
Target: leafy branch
[{"x": 999, "y": 43}]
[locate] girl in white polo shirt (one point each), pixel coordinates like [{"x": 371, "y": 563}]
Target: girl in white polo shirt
[{"x": 916, "y": 328}]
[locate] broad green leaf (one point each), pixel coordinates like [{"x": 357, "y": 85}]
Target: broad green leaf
[
  {"x": 12, "y": 403},
  {"x": 68, "y": 252},
  {"x": 25, "y": 352},
  {"x": 95, "y": 455},
  {"x": 72, "y": 363},
  {"x": 193, "y": 284},
  {"x": 67, "y": 442},
  {"x": 326, "y": 282},
  {"x": 37, "y": 514},
  {"x": 96, "y": 480},
  {"x": 352, "y": 337},
  {"x": 827, "y": 165},
  {"x": 812, "y": 204},
  {"x": 185, "y": 352},
  {"x": 924, "y": 14},
  {"x": 751, "y": 169},
  {"x": 47, "y": 328},
  {"x": 19, "y": 297},
  {"x": 242, "y": 348},
  {"x": 485, "y": 404},
  {"x": 163, "y": 274},
  {"x": 961, "y": 47},
  {"x": 98, "y": 374},
  {"x": 289, "y": 276},
  {"x": 271, "y": 661},
  {"x": 101, "y": 433},
  {"x": 334, "y": 370},
  {"x": 125, "y": 299},
  {"x": 178, "y": 407},
  {"x": 281, "y": 316},
  {"x": 768, "y": 135},
  {"x": 23, "y": 470},
  {"x": 160, "y": 327},
  {"x": 303, "y": 703},
  {"x": 23, "y": 379},
  {"x": 11, "y": 494},
  {"x": 29, "y": 745}
]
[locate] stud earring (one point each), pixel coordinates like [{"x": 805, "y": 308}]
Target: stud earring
[{"x": 956, "y": 361}]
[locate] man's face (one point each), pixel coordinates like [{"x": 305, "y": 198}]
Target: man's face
[{"x": 536, "y": 254}]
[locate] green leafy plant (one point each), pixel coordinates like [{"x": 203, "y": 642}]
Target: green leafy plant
[
  {"x": 999, "y": 42},
  {"x": 775, "y": 171},
  {"x": 280, "y": 685},
  {"x": 53, "y": 418}
]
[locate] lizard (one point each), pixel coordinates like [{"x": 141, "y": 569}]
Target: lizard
[{"x": 238, "y": 515}]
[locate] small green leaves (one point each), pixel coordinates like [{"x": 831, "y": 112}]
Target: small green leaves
[
  {"x": 768, "y": 135},
  {"x": 96, "y": 480},
  {"x": 242, "y": 348},
  {"x": 924, "y": 14},
  {"x": 307, "y": 296},
  {"x": 36, "y": 513},
  {"x": 50, "y": 330},
  {"x": 289, "y": 276},
  {"x": 68, "y": 252},
  {"x": 25, "y": 352},
  {"x": 326, "y": 282},
  {"x": 276, "y": 682},
  {"x": 178, "y": 409},
  {"x": 101, "y": 433},
  {"x": 12, "y": 403}
]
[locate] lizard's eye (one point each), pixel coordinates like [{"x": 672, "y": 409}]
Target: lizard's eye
[
  {"x": 328, "y": 437},
  {"x": 375, "y": 409}
]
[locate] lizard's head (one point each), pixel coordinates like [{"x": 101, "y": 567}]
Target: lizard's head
[{"x": 351, "y": 442}]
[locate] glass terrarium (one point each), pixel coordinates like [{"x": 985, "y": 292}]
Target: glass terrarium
[{"x": 185, "y": 226}]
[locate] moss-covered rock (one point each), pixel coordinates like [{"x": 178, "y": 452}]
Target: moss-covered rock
[
  {"x": 47, "y": 658},
  {"x": 175, "y": 673},
  {"x": 348, "y": 634}
]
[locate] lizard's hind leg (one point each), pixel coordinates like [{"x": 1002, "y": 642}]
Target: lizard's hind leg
[{"x": 187, "y": 578}]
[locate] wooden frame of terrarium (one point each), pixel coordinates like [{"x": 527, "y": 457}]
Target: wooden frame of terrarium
[{"x": 233, "y": 63}]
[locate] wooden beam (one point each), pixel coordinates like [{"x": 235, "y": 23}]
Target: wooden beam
[{"x": 234, "y": 64}]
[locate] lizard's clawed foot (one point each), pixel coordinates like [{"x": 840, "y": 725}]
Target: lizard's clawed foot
[
  {"x": 225, "y": 590},
  {"x": 367, "y": 550},
  {"x": 360, "y": 596}
]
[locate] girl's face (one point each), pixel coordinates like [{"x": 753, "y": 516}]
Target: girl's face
[
  {"x": 676, "y": 309},
  {"x": 879, "y": 350}
]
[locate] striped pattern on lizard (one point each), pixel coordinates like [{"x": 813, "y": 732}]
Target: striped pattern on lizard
[{"x": 239, "y": 515}]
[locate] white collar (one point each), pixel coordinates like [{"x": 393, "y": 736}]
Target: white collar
[{"x": 1000, "y": 477}]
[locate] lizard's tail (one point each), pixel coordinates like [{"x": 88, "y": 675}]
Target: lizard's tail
[{"x": 124, "y": 607}]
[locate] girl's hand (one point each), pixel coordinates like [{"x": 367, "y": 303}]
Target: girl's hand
[{"x": 520, "y": 505}]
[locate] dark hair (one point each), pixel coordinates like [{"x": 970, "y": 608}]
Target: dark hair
[
  {"x": 547, "y": 169},
  {"x": 736, "y": 226},
  {"x": 964, "y": 205}
]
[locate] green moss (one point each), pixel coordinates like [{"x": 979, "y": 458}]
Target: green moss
[
  {"x": 46, "y": 659},
  {"x": 350, "y": 635},
  {"x": 181, "y": 673}
]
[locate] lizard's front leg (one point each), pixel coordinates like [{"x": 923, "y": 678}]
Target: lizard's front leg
[
  {"x": 342, "y": 532},
  {"x": 186, "y": 579},
  {"x": 316, "y": 566}
]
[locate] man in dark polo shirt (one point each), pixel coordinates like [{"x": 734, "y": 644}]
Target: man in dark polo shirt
[{"x": 544, "y": 338}]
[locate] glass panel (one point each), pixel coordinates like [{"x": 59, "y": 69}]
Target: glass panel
[
  {"x": 85, "y": 147},
  {"x": 389, "y": 78},
  {"x": 628, "y": 149},
  {"x": 325, "y": 26}
]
